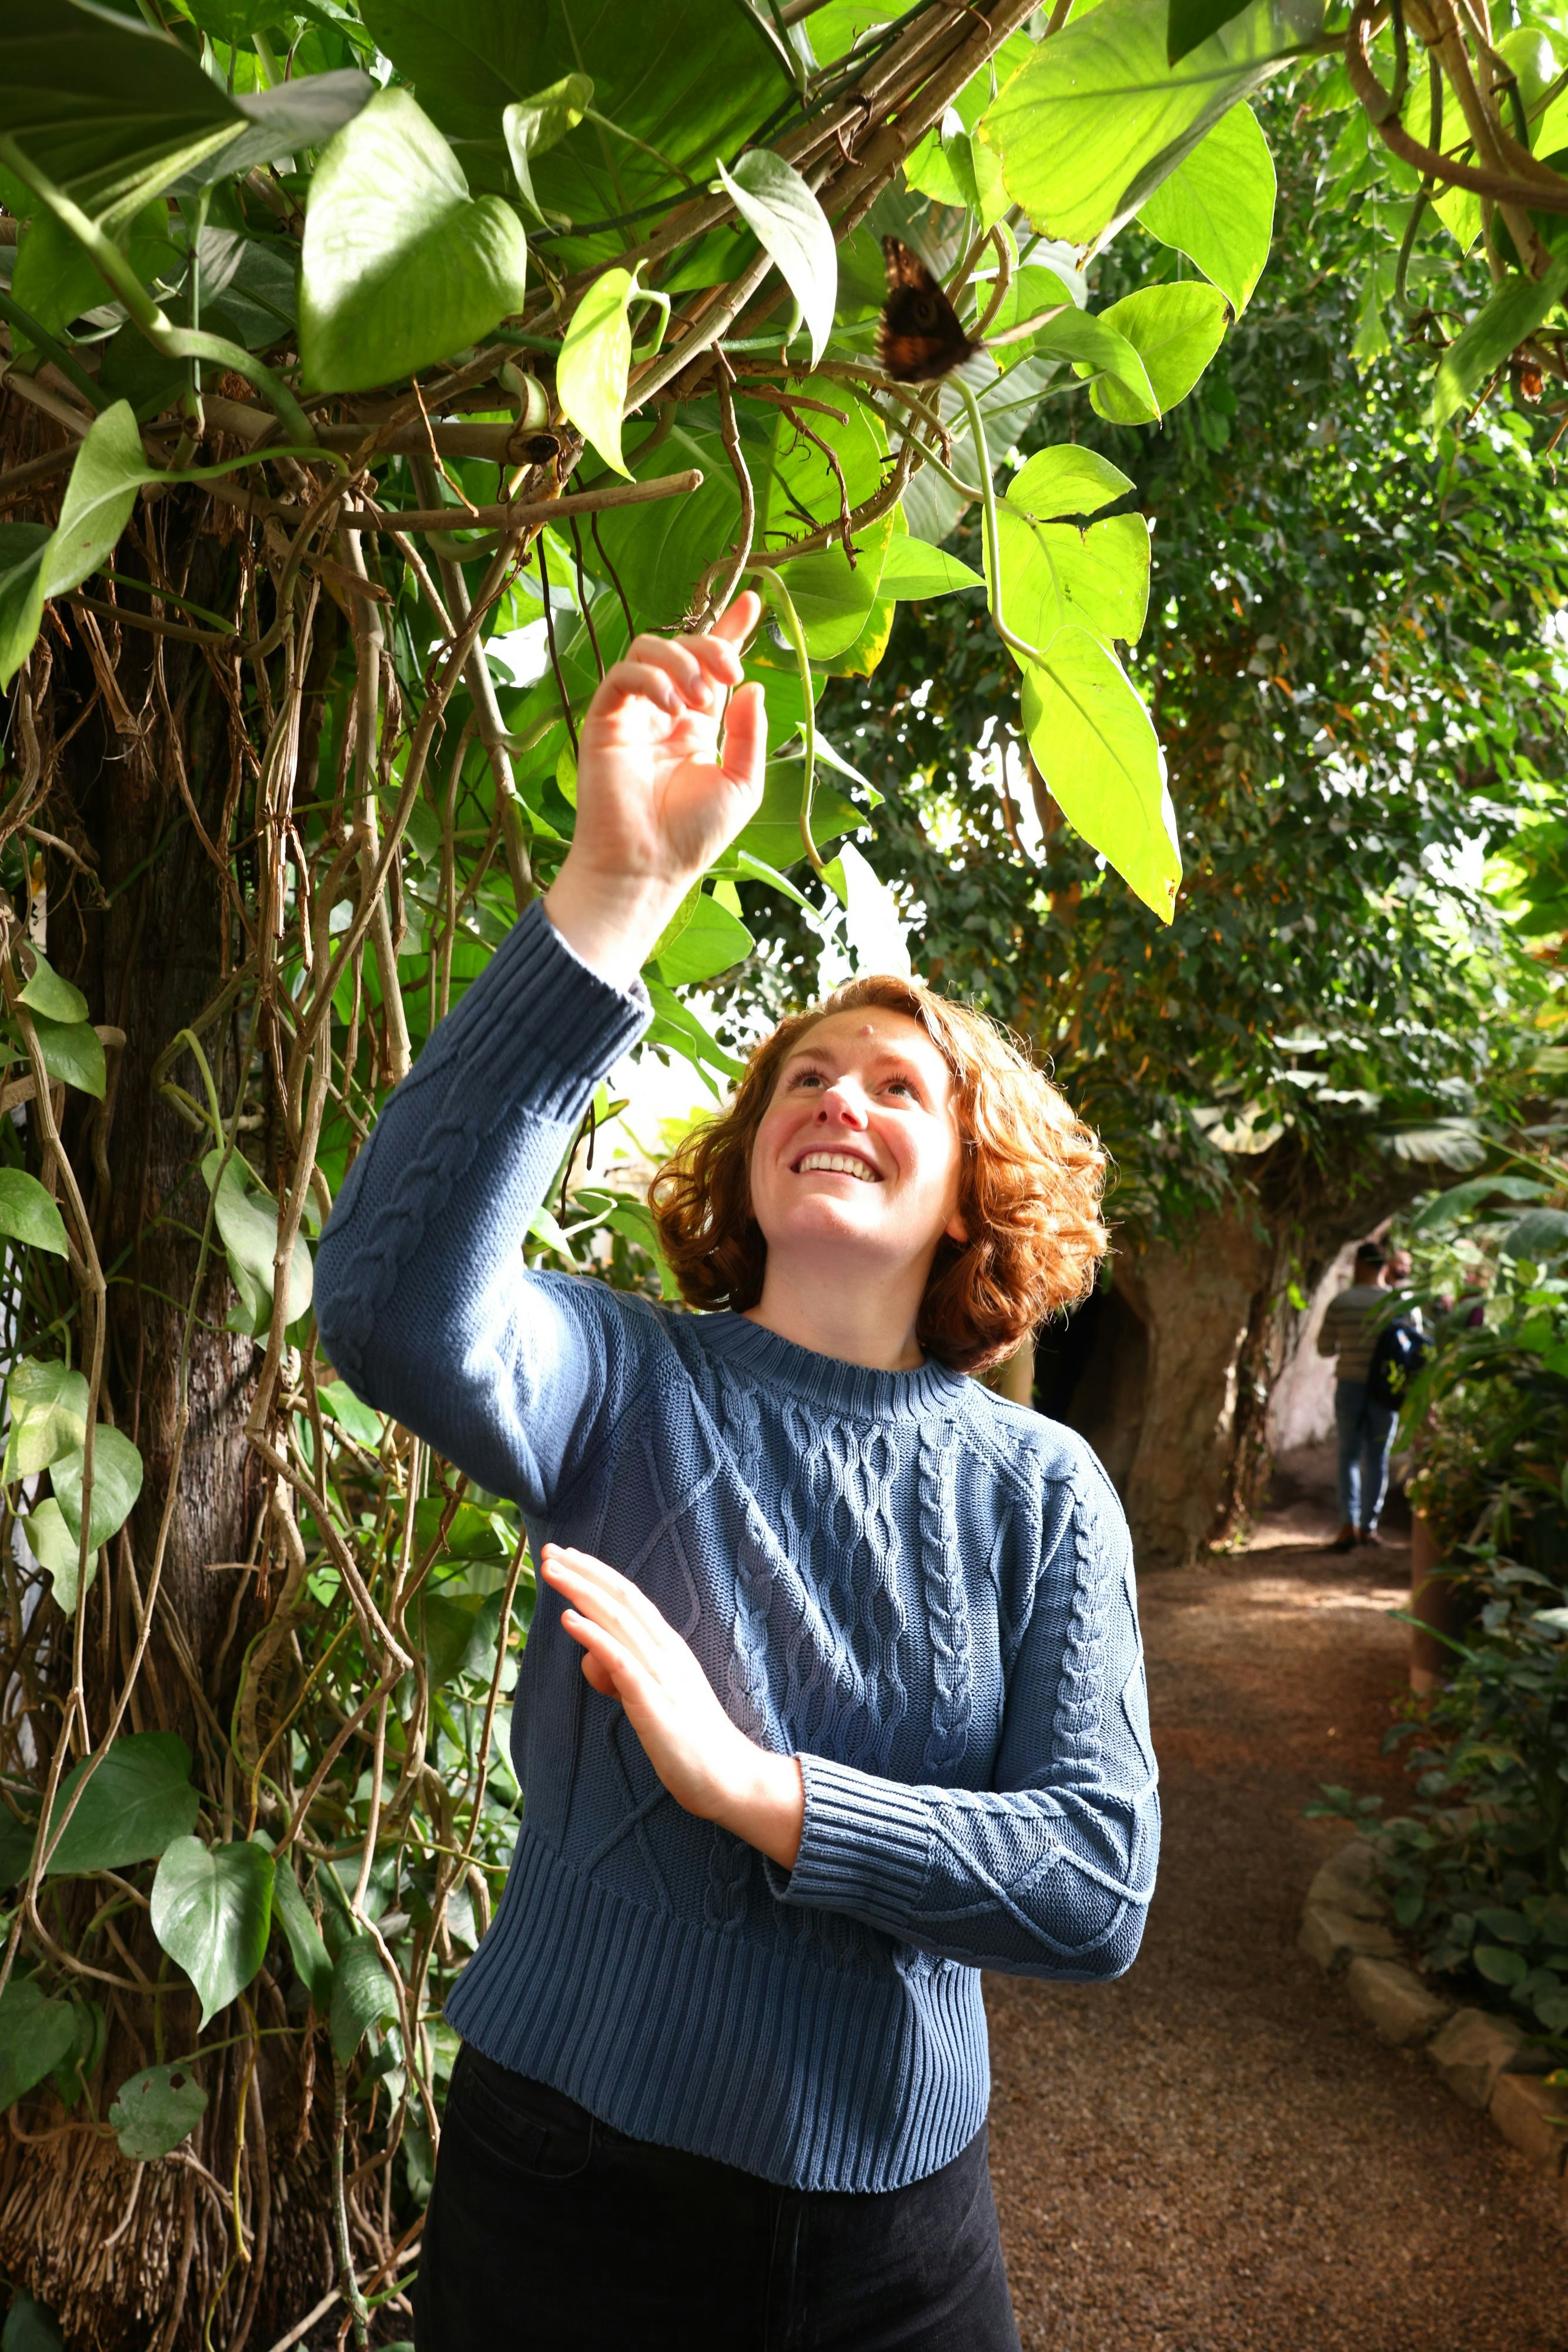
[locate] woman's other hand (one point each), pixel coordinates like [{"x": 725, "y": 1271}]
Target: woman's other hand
[
  {"x": 707, "y": 1764},
  {"x": 658, "y": 795}
]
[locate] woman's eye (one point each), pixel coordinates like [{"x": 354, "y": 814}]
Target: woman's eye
[{"x": 807, "y": 1079}]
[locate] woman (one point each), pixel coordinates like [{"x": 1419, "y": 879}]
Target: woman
[{"x": 861, "y": 1704}]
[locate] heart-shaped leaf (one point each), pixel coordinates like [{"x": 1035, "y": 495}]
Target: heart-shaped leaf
[
  {"x": 73, "y": 1052},
  {"x": 773, "y": 199},
  {"x": 155, "y": 2110},
  {"x": 116, "y": 1484},
  {"x": 1055, "y": 575},
  {"x": 27, "y": 1214},
  {"x": 1176, "y": 331},
  {"x": 1218, "y": 207},
  {"x": 110, "y": 469},
  {"x": 247, "y": 1221},
  {"x": 312, "y": 1962},
  {"x": 400, "y": 265},
  {"x": 595, "y": 361},
  {"x": 1066, "y": 480},
  {"x": 1098, "y": 350},
  {"x": 137, "y": 1802},
  {"x": 21, "y": 546},
  {"x": 911, "y": 569},
  {"x": 212, "y": 1909},
  {"x": 55, "y": 1547},
  {"x": 532, "y": 125},
  {"x": 362, "y": 1996},
  {"x": 37, "y": 2035},
  {"x": 47, "y": 1406},
  {"x": 1095, "y": 744},
  {"x": 47, "y": 993}
]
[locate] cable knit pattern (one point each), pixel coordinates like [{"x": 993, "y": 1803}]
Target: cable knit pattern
[
  {"x": 946, "y": 1610},
  {"x": 924, "y": 1593}
]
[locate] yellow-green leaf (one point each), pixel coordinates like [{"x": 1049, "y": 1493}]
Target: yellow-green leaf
[
  {"x": 595, "y": 361},
  {"x": 1095, "y": 744}
]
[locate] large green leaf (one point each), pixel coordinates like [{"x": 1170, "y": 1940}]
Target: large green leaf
[
  {"x": 1218, "y": 207},
  {"x": 1176, "y": 330},
  {"x": 1095, "y": 744},
  {"x": 1098, "y": 350},
  {"x": 773, "y": 199},
  {"x": 773, "y": 833},
  {"x": 29, "y": 2327},
  {"x": 1055, "y": 576},
  {"x": 595, "y": 361},
  {"x": 362, "y": 1996},
  {"x": 1034, "y": 293},
  {"x": 155, "y": 2110},
  {"x": 212, "y": 1909},
  {"x": 73, "y": 1052},
  {"x": 1098, "y": 117},
  {"x": 21, "y": 546},
  {"x": 110, "y": 468},
  {"x": 103, "y": 103},
  {"x": 710, "y": 941},
  {"x": 911, "y": 569},
  {"x": 246, "y": 1220},
  {"x": 690, "y": 79},
  {"x": 46, "y": 1406},
  {"x": 400, "y": 266},
  {"x": 1192, "y": 21},
  {"x": 55, "y": 1547},
  {"x": 312, "y": 1963},
  {"x": 139, "y": 1799},
  {"x": 661, "y": 550},
  {"x": 832, "y": 596},
  {"x": 28, "y": 1215},
  {"x": 1066, "y": 480},
  {"x": 37, "y": 2035},
  {"x": 532, "y": 126},
  {"x": 1516, "y": 309},
  {"x": 116, "y": 1484},
  {"x": 47, "y": 992}
]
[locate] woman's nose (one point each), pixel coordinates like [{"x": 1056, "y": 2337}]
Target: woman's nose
[{"x": 843, "y": 1104}]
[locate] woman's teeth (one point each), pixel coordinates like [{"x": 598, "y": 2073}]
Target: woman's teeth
[{"x": 837, "y": 1163}]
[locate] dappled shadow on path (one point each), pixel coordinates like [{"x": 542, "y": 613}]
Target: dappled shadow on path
[{"x": 1216, "y": 2155}]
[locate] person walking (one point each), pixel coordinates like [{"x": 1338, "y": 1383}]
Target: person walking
[
  {"x": 1364, "y": 1426},
  {"x": 835, "y": 1691}
]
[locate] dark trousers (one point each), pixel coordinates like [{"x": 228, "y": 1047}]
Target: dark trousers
[{"x": 550, "y": 2231}]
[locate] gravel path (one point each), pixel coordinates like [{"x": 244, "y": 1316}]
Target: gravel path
[{"x": 1216, "y": 2155}]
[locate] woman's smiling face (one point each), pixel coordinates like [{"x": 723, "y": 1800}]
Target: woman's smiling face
[{"x": 859, "y": 1148}]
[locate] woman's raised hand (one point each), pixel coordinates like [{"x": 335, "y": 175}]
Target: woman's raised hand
[{"x": 659, "y": 794}]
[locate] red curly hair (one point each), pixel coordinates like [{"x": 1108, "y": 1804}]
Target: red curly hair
[{"x": 1029, "y": 1190}]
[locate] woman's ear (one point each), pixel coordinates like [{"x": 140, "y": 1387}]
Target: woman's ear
[{"x": 956, "y": 1230}]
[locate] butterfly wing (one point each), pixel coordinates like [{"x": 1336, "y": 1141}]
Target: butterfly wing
[{"x": 919, "y": 338}]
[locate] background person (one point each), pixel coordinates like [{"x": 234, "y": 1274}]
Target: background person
[
  {"x": 835, "y": 1692},
  {"x": 1365, "y": 1428}
]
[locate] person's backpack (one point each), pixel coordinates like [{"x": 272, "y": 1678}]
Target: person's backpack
[{"x": 1400, "y": 1351}]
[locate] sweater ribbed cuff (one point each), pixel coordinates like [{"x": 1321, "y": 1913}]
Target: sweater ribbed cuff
[
  {"x": 866, "y": 1844},
  {"x": 541, "y": 1018}
]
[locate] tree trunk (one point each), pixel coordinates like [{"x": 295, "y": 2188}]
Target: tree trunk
[{"x": 129, "y": 2256}]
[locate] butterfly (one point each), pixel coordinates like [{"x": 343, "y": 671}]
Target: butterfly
[{"x": 919, "y": 337}]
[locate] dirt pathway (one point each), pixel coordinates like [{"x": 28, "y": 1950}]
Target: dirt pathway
[{"x": 1216, "y": 2155}]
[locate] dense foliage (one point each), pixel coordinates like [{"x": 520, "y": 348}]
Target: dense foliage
[
  {"x": 1359, "y": 690},
  {"x": 1478, "y": 1868}
]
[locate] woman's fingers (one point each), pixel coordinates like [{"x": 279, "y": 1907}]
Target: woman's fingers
[
  {"x": 738, "y": 621},
  {"x": 631, "y": 681},
  {"x": 745, "y": 754},
  {"x": 610, "y": 1599}
]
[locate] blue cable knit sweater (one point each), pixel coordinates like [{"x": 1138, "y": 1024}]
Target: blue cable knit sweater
[{"x": 923, "y": 1591}]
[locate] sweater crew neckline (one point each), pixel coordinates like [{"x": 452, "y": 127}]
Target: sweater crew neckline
[{"x": 828, "y": 1383}]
